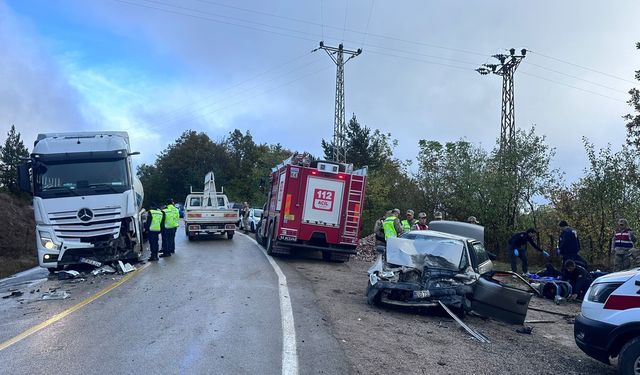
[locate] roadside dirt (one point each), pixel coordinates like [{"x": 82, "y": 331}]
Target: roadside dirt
[
  {"x": 17, "y": 236},
  {"x": 392, "y": 340}
]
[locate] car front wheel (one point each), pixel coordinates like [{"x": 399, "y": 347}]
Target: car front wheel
[{"x": 629, "y": 360}]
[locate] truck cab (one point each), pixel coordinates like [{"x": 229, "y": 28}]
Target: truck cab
[
  {"x": 206, "y": 212},
  {"x": 86, "y": 198}
]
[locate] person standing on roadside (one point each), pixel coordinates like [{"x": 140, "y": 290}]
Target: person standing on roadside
[
  {"x": 409, "y": 221},
  {"x": 153, "y": 226},
  {"x": 171, "y": 224},
  {"x": 422, "y": 222},
  {"x": 517, "y": 248},
  {"x": 569, "y": 245},
  {"x": 392, "y": 227},
  {"x": 245, "y": 217},
  {"x": 621, "y": 245},
  {"x": 378, "y": 229}
]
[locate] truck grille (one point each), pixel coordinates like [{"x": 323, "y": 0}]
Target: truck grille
[{"x": 67, "y": 225}]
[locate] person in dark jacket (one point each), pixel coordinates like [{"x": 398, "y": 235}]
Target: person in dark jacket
[
  {"x": 578, "y": 277},
  {"x": 518, "y": 248},
  {"x": 569, "y": 245}
]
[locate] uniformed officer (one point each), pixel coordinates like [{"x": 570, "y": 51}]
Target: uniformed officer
[
  {"x": 171, "y": 224},
  {"x": 392, "y": 226},
  {"x": 409, "y": 221},
  {"x": 153, "y": 225}
]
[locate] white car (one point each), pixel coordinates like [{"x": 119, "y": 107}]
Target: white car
[
  {"x": 254, "y": 218},
  {"x": 609, "y": 324}
]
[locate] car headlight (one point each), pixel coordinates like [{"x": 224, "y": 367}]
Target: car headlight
[
  {"x": 47, "y": 242},
  {"x": 600, "y": 292}
]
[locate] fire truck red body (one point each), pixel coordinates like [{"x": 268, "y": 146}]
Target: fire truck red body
[{"x": 315, "y": 205}]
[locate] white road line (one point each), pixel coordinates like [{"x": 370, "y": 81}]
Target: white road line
[{"x": 289, "y": 349}]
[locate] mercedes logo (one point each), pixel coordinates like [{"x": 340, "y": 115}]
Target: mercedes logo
[{"x": 85, "y": 214}]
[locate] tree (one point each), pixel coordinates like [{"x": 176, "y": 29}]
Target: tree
[
  {"x": 363, "y": 146},
  {"x": 633, "y": 122},
  {"x": 10, "y": 155}
]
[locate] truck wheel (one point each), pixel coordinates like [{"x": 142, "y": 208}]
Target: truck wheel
[
  {"x": 629, "y": 359},
  {"x": 326, "y": 256},
  {"x": 269, "y": 245},
  {"x": 190, "y": 237},
  {"x": 230, "y": 234}
]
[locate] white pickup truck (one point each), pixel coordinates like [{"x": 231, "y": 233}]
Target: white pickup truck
[{"x": 206, "y": 212}]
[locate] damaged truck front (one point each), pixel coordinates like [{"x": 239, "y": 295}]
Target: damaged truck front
[
  {"x": 86, "y": 198},
  {"x": 424, "y": 268}
]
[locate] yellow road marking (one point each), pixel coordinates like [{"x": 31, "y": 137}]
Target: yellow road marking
[{"x": 70, "y": 310}]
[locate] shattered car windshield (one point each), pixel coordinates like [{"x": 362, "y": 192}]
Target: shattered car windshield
[{"x": 429, "y": 251}]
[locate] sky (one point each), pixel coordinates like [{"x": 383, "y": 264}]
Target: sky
[{"x": 156, "y": 68}]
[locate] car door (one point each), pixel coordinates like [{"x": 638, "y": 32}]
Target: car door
[{"x": 498, "y": 301}]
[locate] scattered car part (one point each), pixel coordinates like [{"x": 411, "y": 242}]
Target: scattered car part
[
  {"x": 551, "y": 312},
  {"x": 66, "y": 275},
  {"x": 525, "y": 330},
  {"x": 90, "y": 261},
  {"x": 15, "y": 293},
  {"x": 125, "y": 267},
  {"x": 56, "y": 294},
  {"x": 477, "y": 335},
  {"x": 103, "y": 269}
]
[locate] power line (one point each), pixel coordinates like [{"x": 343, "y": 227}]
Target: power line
[
  {"x": 419, "y": 60},
  {"x": 573, "y": 87},
  {"x": 366, "y": 29},
  {"x": 575, "y": 77},
  {"x": 583, "y": 67}
]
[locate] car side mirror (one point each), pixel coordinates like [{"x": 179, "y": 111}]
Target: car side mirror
[
  {"x": 24, "y": 180},
  {"x": 380, "y": 249}
]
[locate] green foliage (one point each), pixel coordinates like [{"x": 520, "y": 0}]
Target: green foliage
[
  {"x": 237, "y": 162},
  {"x": 363, "y": 146},
  {"x": 10, "y": 155},
  {"x": 633, "y": 121}
]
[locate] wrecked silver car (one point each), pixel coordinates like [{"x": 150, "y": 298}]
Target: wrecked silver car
[{"x": 424, "y": 267}]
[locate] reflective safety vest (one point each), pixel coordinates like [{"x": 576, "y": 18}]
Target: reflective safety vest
[
  {"x": 406, "y": 225},
  {"x": 623, "y": 239},
  {"x": 389, "y": 227},
  {"x": 156, "y": 219},
  {"x": 172, "y": 217}
]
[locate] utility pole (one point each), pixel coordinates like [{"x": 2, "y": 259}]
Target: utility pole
[
  {"x": 506, "y": 69},
  {"x": 337, "y": 55}
]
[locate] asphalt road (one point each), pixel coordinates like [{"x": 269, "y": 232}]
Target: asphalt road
[{"x": 214, "y": 307}]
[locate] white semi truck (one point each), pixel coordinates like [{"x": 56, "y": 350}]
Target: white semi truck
[{"x": 86, "y": 198}]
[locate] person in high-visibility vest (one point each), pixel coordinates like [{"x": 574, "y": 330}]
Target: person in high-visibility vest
[
  {"x": 153, "y": 226},
  {"x": 409, "y": 221},
  {"x": 171, "y": 223},
  {"x": 621, "y": 245},
  {"x": 391, "y": 225}
]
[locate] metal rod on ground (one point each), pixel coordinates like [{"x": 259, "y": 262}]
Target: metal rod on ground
[
  {"x": 478, "y": 336},
  {"x": 551, "y": 312}
]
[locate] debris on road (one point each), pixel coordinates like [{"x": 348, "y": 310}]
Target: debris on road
[
  {"x": 55, "y": 294},
  {"x": 102, "y": 270},
  {"x": 525, "y": 330},
  {"x": 70, "y": 274},
  {"x": 125, "y": 267},
  {"x": 366, "y": 249},
  {"x": 477, "y": 335},
  {"x": 551, "y": 312},
  {"x": 540, "y": 321},
  {"x": 91, "y": 262},
  {"x": 15, "y": 293}
]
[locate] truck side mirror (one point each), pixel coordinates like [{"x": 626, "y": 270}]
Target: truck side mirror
[{"x": 24, "y": 180}]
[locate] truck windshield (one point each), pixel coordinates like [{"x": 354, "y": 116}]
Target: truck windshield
[{"x": 81, "y": 178}]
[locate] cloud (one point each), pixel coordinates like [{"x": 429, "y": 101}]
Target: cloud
[{"x": 34, "y": 94}]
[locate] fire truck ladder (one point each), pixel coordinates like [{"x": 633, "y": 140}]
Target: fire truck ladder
[{"x": 354, "y": 205}]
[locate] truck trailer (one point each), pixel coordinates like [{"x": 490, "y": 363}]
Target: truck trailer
[
  {"x": 86, "y": 198},
  {"x": 315, "y": 205}
]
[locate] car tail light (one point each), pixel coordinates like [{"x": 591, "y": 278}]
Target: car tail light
[
  {"x": 194, "y": 215},
  {"x": 194, "y": 227},
  {"x": 230, "y": 215},
  {"x": 617, "y": 302},
  {"x": 600, "y": 292}
]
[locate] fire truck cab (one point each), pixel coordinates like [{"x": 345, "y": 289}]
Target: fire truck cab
[{"x": 315, "y": 205}]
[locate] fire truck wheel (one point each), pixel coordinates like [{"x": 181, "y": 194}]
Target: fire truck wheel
[
  {"x": 269, "y": 246},
  {"x": 326, "y": 256}
]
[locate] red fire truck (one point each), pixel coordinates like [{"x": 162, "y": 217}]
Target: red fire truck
[{"x": 315, "y": 205}]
